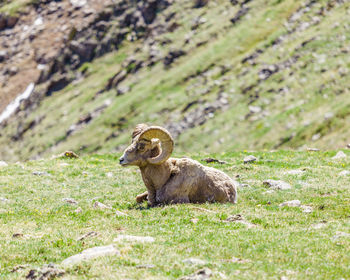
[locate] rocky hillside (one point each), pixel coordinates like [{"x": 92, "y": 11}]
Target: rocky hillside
[{"x": 220, "y": 75}]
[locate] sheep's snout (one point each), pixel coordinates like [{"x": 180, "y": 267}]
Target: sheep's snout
[{"x": 122, "y": 160}]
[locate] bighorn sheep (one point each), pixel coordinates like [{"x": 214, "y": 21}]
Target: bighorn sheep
[{"x": 174, "y": 180}]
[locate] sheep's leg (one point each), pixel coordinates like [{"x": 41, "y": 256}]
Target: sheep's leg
[
  {"x": 151, "y": 197},
  {"x": 141, "y": 197}
]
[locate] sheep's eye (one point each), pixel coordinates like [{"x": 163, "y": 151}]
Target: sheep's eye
[{"x": 141, "y": 146}]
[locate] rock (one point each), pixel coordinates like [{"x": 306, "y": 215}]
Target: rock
[
  {"x": 91, "y": 253},
  {"x": 291, "y": 203},
  {"x": 4, "y": 200},
  {"x": 3, "y": 56},
  {"x": 348, "y": 146},
  {"x": 201, "y": 274},
  {"x": 70, "y": 200},
  {"x": 3, "y": 163},
  {"x": 78, "y": 210},
  {"x": 249, "y": 159},
  {"x": 254, "y": 109},
  {"x": 344, "y": 173},
  {"x": 109, "y": 174},
  {"x": 11, "y": 21},
  {"x": 39, "y": 21},
  {"x": 277, "y": 184},
  {"x": 340, "y": 234},
  {"x": 328, "y": 116},
  {"x": 19, "y": 267},
  {"x": 237, "y": 260},
  {"x": 40, "y": 173},
  {"x": 244, "y": 186},
  {"x": 306, "y": 209},
  {"x": 13, "y": 70},
  {"x": 69, "y": 154},
  {"x": 312, "y": 149},
  {"x": 194, "y": 261},
  {"x": 145, "y": 266},
  {"x": 17, "y": 235},
  {"x": 48, "y": 272},
  {"x": 172, "y": 56},
  {"x": 78, "y": 3},
  {"x": 316, "y": 136},
  {"x": 122, "y": 90},
  {"x": 241, "y": 12},
  {"x": 87, "y": 235},
  {"x": 121, "y": 214},
  {"x": 238, "y": 218},
  {"x": 319, "y": 225},
  {"x": 132, "y": 238},
  {"x": 100, "y": 205},
  {"x": 209, "y": 160},
  {"x": 294, "y": 172},
  {"x": 339, "y": 155},
  {"x": 200, "y": 3},
  {"x": 2, "y": 21}
]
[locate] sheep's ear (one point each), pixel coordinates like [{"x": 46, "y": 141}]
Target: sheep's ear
[{"x": 155, "y": 142}]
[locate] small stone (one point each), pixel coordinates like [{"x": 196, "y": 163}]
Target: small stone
[
  {"x": 294, "y": 172},
  {"x": 249, "y": 159},
  {"x": 132, "y": 238},
  {"x": 328, "y": 116},
  {"x": 306, "y": 209},
  {"x": 244, "y": 186},
  {"x": 100, "y": 205},
  {"x": 70, "y": 200},
  {"x": 91, "y": 253},
  {"x": 87, "y": 235},
  {"x": 109, "y": 174},
  {"x": 3, "y": 199},
  {"x": 194, "y": 220},
  {"x": 277, "y": 184},
  {"x": 39, "y": 21},
  {"x": 312, "y": 149},
  {"x": 344, "y": 173},
  {"x": 291, "y": 203},
  {"x": 145, "y": 266},
  {"x": 254, "y": 109},
  {"x": 340, "y": 234},
  {"x": 3, "y": 163},
  {"x": 319, "y": 225},
  {"x": 78, "y": 3},
  {"x": 48, "y": 272},
  {"x": 316, "y": 136},
  {"x": 69, "y": 154},
  {"x": 348, "y": 146},
  {"x": 17, "y": 235},
  {"x": 238, "y": 218},
  {"x": 194, "y": 261},
  {"x": 339, "y": 155},
  {"x": 40, "y": 173},
  {"x": 201, "y": 274},
  {"x": 121, "y": 214}
]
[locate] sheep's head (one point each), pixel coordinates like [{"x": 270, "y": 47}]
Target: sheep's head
[{"x": 150, "y": 145}]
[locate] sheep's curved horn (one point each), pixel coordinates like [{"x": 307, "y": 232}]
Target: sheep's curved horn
[{"x": 167, "y": 143}]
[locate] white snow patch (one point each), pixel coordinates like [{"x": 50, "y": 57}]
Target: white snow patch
[{"x": 12, "y": 107}]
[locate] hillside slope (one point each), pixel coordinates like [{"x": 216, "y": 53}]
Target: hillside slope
[{"x": 229, "y": 75}]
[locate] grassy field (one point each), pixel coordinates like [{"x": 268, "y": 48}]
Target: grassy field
[{"x": 38, "y": 227}]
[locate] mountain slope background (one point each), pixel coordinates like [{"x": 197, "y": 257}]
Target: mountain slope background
[{"x": 220, "y": 75}]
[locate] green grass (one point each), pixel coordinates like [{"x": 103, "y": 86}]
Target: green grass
[
  {"x": 294, "y": 100},
  {"x": 283, "y": 243}
]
